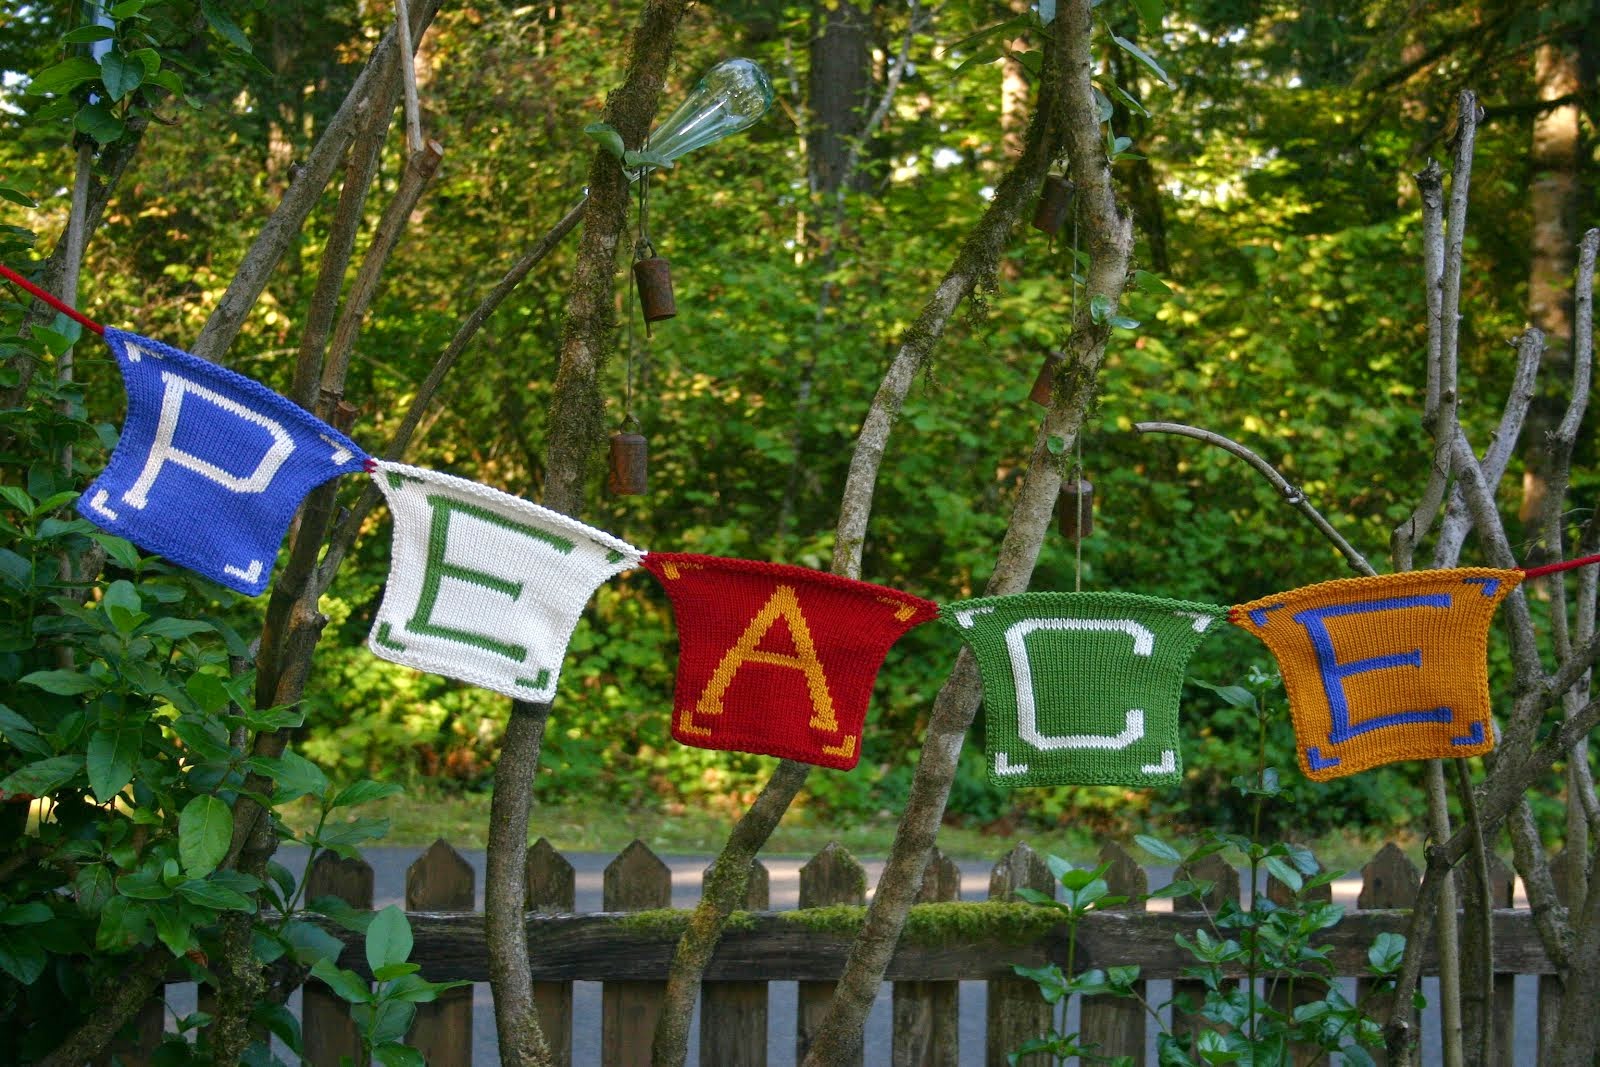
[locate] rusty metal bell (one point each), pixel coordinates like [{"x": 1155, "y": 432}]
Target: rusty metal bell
[
  {"x": 654, "y": 276},
  {"x": 1077, "y": 498},
  {"x": 1046, "y": 379},
  {"x": 629, "y": 471},
  {"x": 1055, "y": 205}
]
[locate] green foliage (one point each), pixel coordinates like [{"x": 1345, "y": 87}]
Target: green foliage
[{"x": 383, "y": 1012}]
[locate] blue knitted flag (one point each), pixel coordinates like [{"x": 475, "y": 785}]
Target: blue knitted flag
[{"x": 211, "y": 465}]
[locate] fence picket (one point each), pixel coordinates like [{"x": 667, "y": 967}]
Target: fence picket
[
  {"x": 1225, "y": 887},
  {"x": 733, "y": 1015},
  {"x": 440, "y": 880},
  {"x": 831, "y": 877},
  {"x": 1016, "y": 1010},
  {"x": 1502, "y": 889},
  {"x": 325, "y": 1020},
  {"x": 1389, "y": 880},
  {"x": 1550, "y": 988},
  {"x": 635, "y": 881},
  {"x": 552, "y": 889},
  {"x": 1114, "y": 1024},
  {"x": 927, "y": 1014}
]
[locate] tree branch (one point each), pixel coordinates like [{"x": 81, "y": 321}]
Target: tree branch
[{"x": 1292, "y": 494}]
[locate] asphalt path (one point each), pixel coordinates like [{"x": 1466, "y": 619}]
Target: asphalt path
[{"x": 389, "y": 871}]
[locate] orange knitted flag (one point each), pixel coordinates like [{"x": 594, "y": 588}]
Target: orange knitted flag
[{"x": 1384, "y": 669}]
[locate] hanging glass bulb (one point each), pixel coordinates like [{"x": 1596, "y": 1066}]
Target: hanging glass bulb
[{"x": 730, "y": 97}]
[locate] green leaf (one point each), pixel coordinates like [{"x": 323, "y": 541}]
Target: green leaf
[
  {"x": 346, "y": 985},
  {"x": 388, "y": 938},
  {"x": 1387, "y": 950},
  {"x": 1356, "y": 1056},
  {"x": 390, "y": 971},
  {"x": 392, "y": 1019},
  {"x": 88, "y": 35},
  {"x": 1157, "y": 848},
  {"x": 1234, "y": 695},
  {"x": 341, "y": 912},
  {"x": 174, "y": 629},
  {"x": 42, "y": 777},
  {"x": 1143, "y": 57},
  {"x": 98, "y": 122},
  {"x": 364, "y": 792},
  {"x": 208, "y": 691},
  {"x": 608, "y": 137},
  {"x": 61, "y": 683},
  {"x": 143, "y": 885},
  {"x": 292, "y": 774},
  {"x": 393, "y": 1055},
  {"x": 93, "y": 887},
  {"x": 210, "y": 895},
  {"x": 312, "y": 943},
  {"x": 110, "y": 758},
  {"x": 417, "y": 989},
  {"x": 120, "y": 74},
  {"x": 21, "y": 956},
  {"x": 1101, "y": 308},
  {"x": 29, "y": 914},
  {"x": 1150, "y": 283},
  {"x": 223, "y": 24},
  {"x": 64, "y": 76},
  {"x": 173, "y": 927},
  {"x": 1284, "y": 873},
  {"x": 1056, "y": 444},
  {"x": 122, "y": 552},
  {"x": 274, "y": 718},
  {"x": 205, "y": 830},
  {"x": 201, "y": 741}
]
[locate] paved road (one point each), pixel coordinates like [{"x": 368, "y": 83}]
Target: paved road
[{"x": 389, "y": 867}]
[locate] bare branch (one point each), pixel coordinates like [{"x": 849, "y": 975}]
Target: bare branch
[
  {"x": 1291, "y": 493},
  {"x": 408, "y": 79}
]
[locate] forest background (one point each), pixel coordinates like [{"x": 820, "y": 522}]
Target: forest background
[{"x": 1278, "y": 229}]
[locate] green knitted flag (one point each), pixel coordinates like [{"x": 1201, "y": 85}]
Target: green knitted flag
[{"x": 1081, "y": 688}]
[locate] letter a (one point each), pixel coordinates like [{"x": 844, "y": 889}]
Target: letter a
[{"x": 785, "y": 605}]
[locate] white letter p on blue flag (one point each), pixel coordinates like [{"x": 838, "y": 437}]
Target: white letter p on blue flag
[{"x": 211, "y": 465}]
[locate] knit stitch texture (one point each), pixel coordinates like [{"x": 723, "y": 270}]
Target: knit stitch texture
[
  {"x": 1081, "y": 688},
  {"x": 211, "y": 465},
  {"x": 1384, "y": 669},
  {"x": 778, "y": 660},
  {"x": 484, "y": 586}
]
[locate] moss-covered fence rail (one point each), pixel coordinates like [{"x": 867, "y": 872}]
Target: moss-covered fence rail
[{"x": 947, "y": 941}]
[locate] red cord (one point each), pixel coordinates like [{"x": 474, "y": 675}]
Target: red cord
[
  {"x": 71, "y": 313},
  {"x": 1564, "y": 565}
]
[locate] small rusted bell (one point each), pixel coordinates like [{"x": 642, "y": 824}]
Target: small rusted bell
[
  {"x": 1076, "y": 499},
  {"x": 629, "y": 471},
  {"x": 1046, "y": 380},
  {"x": 1055, "y": 205},
  {"x": 654, "y": 276}
]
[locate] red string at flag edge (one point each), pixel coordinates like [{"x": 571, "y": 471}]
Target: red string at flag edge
[
  {"x": 70, "y": 312},
  {"x": 1564, "y": 565}
]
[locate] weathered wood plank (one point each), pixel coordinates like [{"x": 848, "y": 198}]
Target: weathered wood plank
[
  {"x": 784, "y": 947},
  {"x": 1389, "y": 880},
  {"x": 1111, "y": 1025},
  {"x": 927, "y": 1014},
  {"x": 1550, "y": 988},
  {"x": 733, "y": 1015},
  {"x": 636, "y": 880},
  {"x": 440, "y": 880},
  {"x": 553, "y": 890},
  {"x": 325, "y": 1019},
  {"x": 831, "y": 877},
  {"x": 1502, "y": 888},
  {"x": 1016, "y": 1010}
]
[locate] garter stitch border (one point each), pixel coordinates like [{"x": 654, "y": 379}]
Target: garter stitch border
[
  {"x": 627, "y": 557},
  {"x": 1426, "y": 712},
  {"x": 118, "y": 341},
  {"x": 1178, "y": 628}
]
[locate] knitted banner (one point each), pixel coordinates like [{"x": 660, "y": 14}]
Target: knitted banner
[
  {"x": 1081, "y": 688},
  {"x": 484, "y": 586},
  {"x": 1384, "y": 669},
  {"x": 778, "y": 660},
  {"x": 211, "y": 465}
]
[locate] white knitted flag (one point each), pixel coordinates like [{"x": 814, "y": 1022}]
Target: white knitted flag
[{"x": 484, "y": 586}]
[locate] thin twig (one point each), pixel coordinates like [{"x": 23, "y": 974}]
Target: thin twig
[
  {"x": 408, "y": 78},
  {"x": 1291, "y": 494}
]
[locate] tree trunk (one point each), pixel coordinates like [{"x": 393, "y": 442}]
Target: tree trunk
[
  {"x": 840, "y": 89},
  {"x": 1554, "y": 197}
]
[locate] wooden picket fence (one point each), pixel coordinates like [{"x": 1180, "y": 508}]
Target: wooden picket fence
[{"x": 631, "y": 957}]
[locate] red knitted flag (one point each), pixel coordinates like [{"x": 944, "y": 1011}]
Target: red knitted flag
[{"x": 778, "y": 660}]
